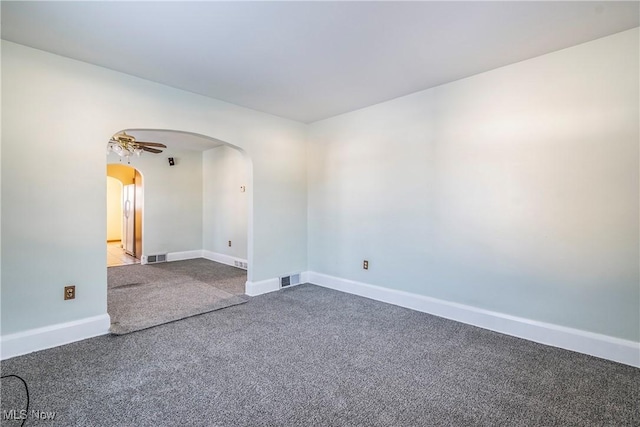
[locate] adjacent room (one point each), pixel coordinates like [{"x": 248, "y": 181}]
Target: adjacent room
[
  {"x": 320, "y": 213},
  {"x": 179, "y": 179}
]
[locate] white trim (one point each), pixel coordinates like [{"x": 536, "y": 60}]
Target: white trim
[
  {"x": 262, "y": 287},
  {"x": 20, "y": 343},
  {"x": 180, "y": 256},
  {"x": 604, "y": 346},
  {"x": 223, "y": 259},
  {"x": 200, "y": 253},
  {"x": 304, "y": 277}
]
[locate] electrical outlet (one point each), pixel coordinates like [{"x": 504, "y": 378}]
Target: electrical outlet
[
  {"x": 365, "y": 264},
  {"x": 229, "y": 243},
  {"x": 69, "y": 292}
]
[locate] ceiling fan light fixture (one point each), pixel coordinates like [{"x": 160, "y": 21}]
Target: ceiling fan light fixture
[{"x": 126, "y": 145}]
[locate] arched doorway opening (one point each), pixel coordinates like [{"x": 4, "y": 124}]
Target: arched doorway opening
[
  {"x": 124, "y": 215},
  {"x": 197, "y": 230},
  {"x": 198, "y": 197}
]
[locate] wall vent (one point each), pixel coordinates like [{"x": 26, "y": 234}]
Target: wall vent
[
  {"x": 293, "y": 279},
  {"x": 240, "y": 264},
  {"x": 154, "y": 259}
]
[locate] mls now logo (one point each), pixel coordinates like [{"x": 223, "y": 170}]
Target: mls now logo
[{"x": 14, "y": 414}]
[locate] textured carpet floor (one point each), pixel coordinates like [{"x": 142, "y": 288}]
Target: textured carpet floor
[
  {"x": 308, "y": 356},
  {"x": 142, "y": 296}
]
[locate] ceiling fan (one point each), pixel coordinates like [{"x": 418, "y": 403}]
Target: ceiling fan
[{"x": 126, "y": 145}]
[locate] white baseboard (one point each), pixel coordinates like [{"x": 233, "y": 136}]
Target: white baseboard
[
  {"x": 200, "y": 253},
  {"x": 305, "y": 277},
  {"x": 180, "y": 256},
  {"x": 603, "y": 346},
  {"x": 223, "y": 259},
  {"x": 262, "y": 287},
  {"x": 20, "y": 343}
]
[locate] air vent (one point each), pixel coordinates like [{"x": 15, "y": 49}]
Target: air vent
[
  {"x": 285, "y": 281},
  {"x": 240, "y": 264},
  {"x": 154, "y": 259}
]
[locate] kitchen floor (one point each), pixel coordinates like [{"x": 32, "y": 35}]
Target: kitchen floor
[{"x": 117, "y": 256}]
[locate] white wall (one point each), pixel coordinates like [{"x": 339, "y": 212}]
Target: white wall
[
  {"x": 114, "y": 209},
  {"x": 224, "y": 205},
  {"x": 515, "y": 190},
  {"x": 57, "y": 116}
]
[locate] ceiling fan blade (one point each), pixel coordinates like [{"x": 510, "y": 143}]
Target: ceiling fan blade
[
  {"x": 151, "y": 144},
  {"x": 151, "y": 150}
]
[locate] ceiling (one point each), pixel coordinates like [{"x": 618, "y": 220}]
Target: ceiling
[
  {"x": 175, "y": 139},
  {"x": 308, "y": 60}
]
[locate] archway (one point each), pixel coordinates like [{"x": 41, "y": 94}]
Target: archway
[
  {"x": 197, "y": 210},
  {"x": 178, "y": 210}
]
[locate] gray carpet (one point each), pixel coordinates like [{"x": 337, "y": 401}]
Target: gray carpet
[
  {"x": 308, "y": 356},
  {"x": 142, "y": 296}
]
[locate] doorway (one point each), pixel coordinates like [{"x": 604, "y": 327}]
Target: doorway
[
  {"x": 124, "y": 215},
  {"x": 208, "y": 182},
  {"x": 204, "y": 232}
]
